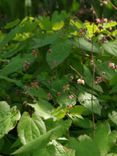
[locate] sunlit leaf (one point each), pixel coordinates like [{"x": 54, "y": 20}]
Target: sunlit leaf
[
  {"x": 111, "y": 47},
  {"x": 44, "y": 108},
  {"x": 86, "y": 45},
  {"x": 29, "y": 128},
  {"x": 90, "y": 102},
  {"x": 42, "y": 141},
  {"x": 58, "y": 26},
  {"x": 8, "y": 118},
  {"x": 8, "y": 37},
  {"x": 113, "y": 117},
  {"x": 102, "y": 137}
]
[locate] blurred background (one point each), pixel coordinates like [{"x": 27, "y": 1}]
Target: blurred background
[{"x": 83, "y": 9}]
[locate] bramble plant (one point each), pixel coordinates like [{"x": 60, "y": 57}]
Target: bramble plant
[{"x": 58, "y": 85}]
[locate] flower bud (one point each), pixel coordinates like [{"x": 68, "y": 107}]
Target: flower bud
[
  {"x": 111, "y": 65},
  {"x": 81, "y": 81},
  {"x": 71, "y": 96}
]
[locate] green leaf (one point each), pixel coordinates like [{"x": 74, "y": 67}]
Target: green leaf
[
  {"x": 103, "y": 67},
  {"x": 58, "y": 83},
  {"x": 39, "y": 142},
  {"x": 113, "y": 81},
  {"x": 101, "y": 138},
  {"x": 49, "y": 150},
  {"x": 4, "y": 107},
  {"x": 87, "y": 147},
  {"x": 59, "y": 149},
  {"x": 114, "y": 89},
  {"x": 11, "y": 50},
  {"x": 112, "y": 154},
  {"x": 61, "y": 129},
  {"x": 8, "y": 37},
  {"x": 29, "y": 128},
  {"x": 78, "y": 24},
  {"x": 12, "y": 24},
  {"x": 16, "y": 82},
  {"x": 44, "y": 39},
  {"x": 75, "y": 6},
  {"x": 2, "y": 142},
  {"x": 57, "y": 21},
  {"x": 86, "y": 45},
  {"x": 16, "y": 64},
  {"x": 91, "y": 29},
  {"x": 112, "y": 139},
  {"x": 111, "y": 47},
  {"x": 113, "y": 117},
  {"x": 79, "y": 110},
  {"x": 8, "y": 118},
  {"x": 43, "y": 140},
  {"x": 59, "y": 52},
  {"x": 90, "y": 102},
  {"x": 81, "y": 122},
  {"x": 58, "y": 25},
  {"x": 89, "y": 79},
  {"x": 54, "y": 149},
  {"x": 59, "y": 113},
  {"x": 73, "y": 144},
  {"x": 40, "y": 93},
  {"x": 64, "y": 100},
  {"x": 45, "y": 23},
  {"x": 43, "y": 108}
]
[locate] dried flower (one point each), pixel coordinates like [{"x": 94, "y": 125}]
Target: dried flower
[
  {"x": 34, "y": 53},
  {"x": 99, "y": 79},
  {"x": 26, "y": 65},
  {"x": 35, "y": 84}
]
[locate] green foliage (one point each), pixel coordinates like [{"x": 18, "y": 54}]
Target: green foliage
[
  {"x": 90, "y": 102},
  {"x": 56, "y": 56},
  {"x": 58, "y": 87},
  {"x": 14, "y": 9},
  {"x": 30, "y": 128},
  {"x": 8, "y": 118}
]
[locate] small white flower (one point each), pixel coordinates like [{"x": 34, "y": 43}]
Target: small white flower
[
  {"x": 111, "y": 65},
  {"x": 81, "y": 81}
]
